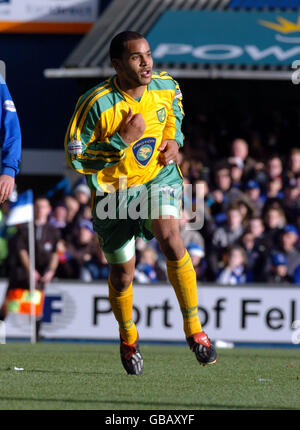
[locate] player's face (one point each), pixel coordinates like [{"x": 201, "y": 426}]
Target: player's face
[{"x": 135, "y": 67}]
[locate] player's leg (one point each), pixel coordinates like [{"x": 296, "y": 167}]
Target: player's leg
[
  {"x": 165, "y": 205},
  {"x": 120, "y": 297},
  {"x": 181, "y": 272},
  {"x": 182, "y": 277},
  {"x": 121, "y": 301},
  {"x": 116, "y": 238}
]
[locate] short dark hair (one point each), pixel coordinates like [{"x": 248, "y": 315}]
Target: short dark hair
[{"x": 116, "y": 48}]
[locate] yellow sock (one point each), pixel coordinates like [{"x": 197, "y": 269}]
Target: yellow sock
[
  {"x": 182, "y": 276},
  {"x": 121, "y": 304}
]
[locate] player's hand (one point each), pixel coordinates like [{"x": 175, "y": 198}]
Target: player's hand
[
  {"x": 132, "y": 128},
  {"x": 168, "y": 152},
  {"x": 6, "y": 187}
]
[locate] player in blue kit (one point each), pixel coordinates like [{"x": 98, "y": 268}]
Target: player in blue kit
[{"x": 10, "y": 138}]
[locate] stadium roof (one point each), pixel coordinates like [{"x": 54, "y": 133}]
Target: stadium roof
[{"x": 233, "y": 43}]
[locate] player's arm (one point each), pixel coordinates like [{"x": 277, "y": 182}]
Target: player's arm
[
  {"x": 173, "y": 137},
  {"x": 86, "y": 150},
  {"x": 11, "y": 143},
  {"x": 172, "y": 130}
]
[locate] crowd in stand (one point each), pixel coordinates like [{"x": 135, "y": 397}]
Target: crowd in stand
[
  {"x": 249, "y": 234},
  {"x": 252, "y": 217}
]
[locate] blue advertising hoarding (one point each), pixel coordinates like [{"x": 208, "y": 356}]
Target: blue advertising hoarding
[{"x": 232, "y": 37}]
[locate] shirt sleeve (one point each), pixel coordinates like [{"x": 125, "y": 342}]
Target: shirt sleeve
[
  {"x": 175, "y": 116},
  {"x": 87, "y": 151},
  {"x": 10, "y": 133}
]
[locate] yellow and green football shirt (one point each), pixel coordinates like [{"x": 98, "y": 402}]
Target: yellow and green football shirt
[{"x": 94, "y": 147}]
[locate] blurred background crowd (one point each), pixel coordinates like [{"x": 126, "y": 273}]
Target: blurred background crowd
[{"x": 249, "y": 199}]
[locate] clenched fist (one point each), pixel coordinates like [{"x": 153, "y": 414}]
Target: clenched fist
[{"x": 132, "y": 128}]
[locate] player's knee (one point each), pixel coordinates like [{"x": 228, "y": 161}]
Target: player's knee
[
  {"x": 121, "y": 280},
  {"x": 172, "y": 245}
]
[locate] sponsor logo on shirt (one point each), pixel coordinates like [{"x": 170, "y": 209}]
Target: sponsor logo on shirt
[{"x": 143, "y": 150}]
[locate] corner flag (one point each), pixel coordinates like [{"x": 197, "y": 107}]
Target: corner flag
[{"x": 21, "y": 211}]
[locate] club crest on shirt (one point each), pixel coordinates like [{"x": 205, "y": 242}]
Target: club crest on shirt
[
  {"x": 143, "y": 150},
  {"x": 161, "y": 114}
]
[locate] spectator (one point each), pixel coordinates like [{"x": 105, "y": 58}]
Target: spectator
[
  {"x": 224, "y": 195},
  {"x": 274, "y": 221},
  {"x": 197, "y": 256},
  {"x": 256, "y": 254},
  {"x": 274, "y": 167},
  {"x": 73, "y": 207},
  {"x": 291, "y": 201},
  {"x": 230, "y": 233},
  {"x": 76, "y": 252},
  {"x": 294, "y": 163},
  {"x": 235, "y": 271},
  {"x": 278, "y": 273},
  {"x": 257, "y": 227},
  {"x": 237, "y": 171},
  {"x": 253, "y": 192},
  {"x": 289, "y": 238},
  {"x": 274, "y": 189},
  {"x": 224, "y": 237},
  {"x": 246, "y": 209},
  {"x": 73, "y": 215},
  {"x": 240, "y": 154},
  {"x": 82, "y": 194},
  {"x": 97, "y": 267},
  {"x": 58, "y": 217},
  {"x": 145, "y": 270},
  {"x": 189, "y": 236}
]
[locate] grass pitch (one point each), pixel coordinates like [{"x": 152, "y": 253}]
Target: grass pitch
[{"x": 76, "y": 376}]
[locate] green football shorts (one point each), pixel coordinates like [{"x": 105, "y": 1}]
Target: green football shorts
[{"x": 122, "y": 216}]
